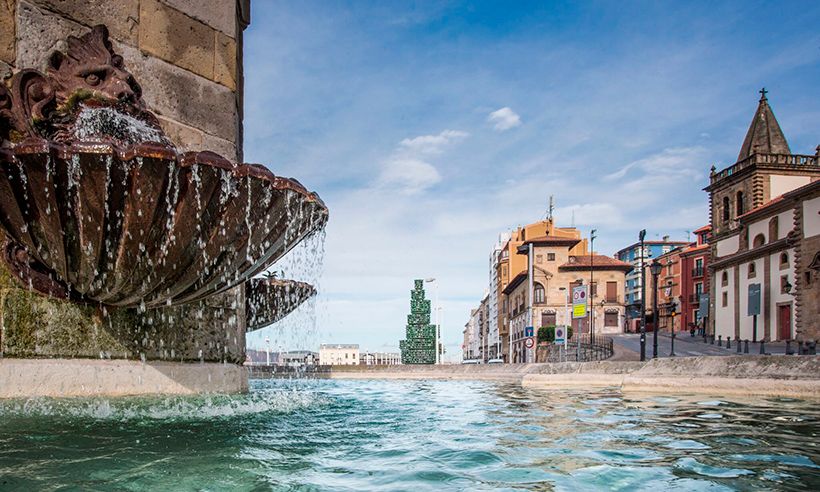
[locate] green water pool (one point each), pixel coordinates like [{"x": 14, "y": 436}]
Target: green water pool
[{"x": 409, "y": 435}]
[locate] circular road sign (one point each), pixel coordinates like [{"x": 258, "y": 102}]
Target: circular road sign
[
  {"x": 529, "y": 343},
  {"x": 559, "y": 333}
]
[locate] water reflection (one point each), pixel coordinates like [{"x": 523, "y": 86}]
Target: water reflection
[{"x": 403, "y": 435}]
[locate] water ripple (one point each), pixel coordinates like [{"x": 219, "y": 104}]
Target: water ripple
[{"x": 409, "y": 435}]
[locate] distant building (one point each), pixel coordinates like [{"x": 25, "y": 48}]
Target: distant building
[
  {"x": 505, "y": 264},
  {"x": 633, "y": 255},
  {"x": 684, "y": 277},
  {"x": 338, "y": 354},
  {"x": 379, "y": 358},
  {"x": 556, "y": 270},
  {"x": 765, "y": 218},
  {"x": 290, "y": 358}
]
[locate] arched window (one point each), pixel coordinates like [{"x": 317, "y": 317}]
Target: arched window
[
  {"x": 752, "y": 272},
  {"x": 538, "y": 293},
  {"x": 773, "y": 232},
  {"x": 784, "y": 260},
  {"x": 739, "y": 203},
  {"x": 726, "y": 209},
  {"x": 724, "y": 279},
  {"x": 758, "y": 241}
]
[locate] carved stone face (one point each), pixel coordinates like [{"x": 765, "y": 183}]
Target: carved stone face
[
  {"x": 87, "y": 83},
  {"x": 90, "y": 66}
]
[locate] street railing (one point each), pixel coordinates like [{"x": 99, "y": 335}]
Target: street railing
[{"x": 598, "y": 347}]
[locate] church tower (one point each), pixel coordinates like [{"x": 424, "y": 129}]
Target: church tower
[{"x": 765, "y": 169}]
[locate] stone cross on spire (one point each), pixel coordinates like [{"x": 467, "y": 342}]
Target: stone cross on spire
[{"x": 764, "y": 135}]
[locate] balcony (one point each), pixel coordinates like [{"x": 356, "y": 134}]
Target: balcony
[{"x": 697, "y": 272}]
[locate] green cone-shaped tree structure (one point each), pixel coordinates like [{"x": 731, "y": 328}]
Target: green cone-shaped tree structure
[{"x": 420, "y": 345}]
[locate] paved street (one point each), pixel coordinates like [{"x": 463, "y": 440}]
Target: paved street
[{"x": 687, "y": 346}]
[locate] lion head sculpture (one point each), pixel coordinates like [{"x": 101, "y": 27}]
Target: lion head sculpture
[{"x": 87, "y": 92}]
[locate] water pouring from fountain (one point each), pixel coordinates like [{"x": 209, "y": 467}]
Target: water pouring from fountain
[{"x": 99, "y": 208}]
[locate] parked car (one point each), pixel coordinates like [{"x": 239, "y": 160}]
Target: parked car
[
  {"x": 471, "y": 361},
  {"x": 495, "y": 361}
]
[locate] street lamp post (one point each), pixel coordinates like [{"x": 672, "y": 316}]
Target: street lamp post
[
  {"x": 568, "y": 321},
  {"x": 655, "y": 270},
  {"x": 438, "y": 328},
  {"x": 641, "y": 237},
  {"x": 591, "y": 286}
]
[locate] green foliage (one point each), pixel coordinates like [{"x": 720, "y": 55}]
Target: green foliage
[
  {"x": 547, "y": 333},
  {"x": 419, "y": 346}
]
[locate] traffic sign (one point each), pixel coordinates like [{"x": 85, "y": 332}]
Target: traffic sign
[
  {"x": 703, "y": 302},
  {"x": 529, "y": 331},
  {"x": 579, "y": 302},
  {"x": 754, "y": 299},
  {"x": 560, "y": 334},
  {"x": 529, "y": 343}
]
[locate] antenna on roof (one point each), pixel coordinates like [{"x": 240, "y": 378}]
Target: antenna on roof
[
  {"x": 688, "y": 236},
  {"x": 551, "y": 209}
]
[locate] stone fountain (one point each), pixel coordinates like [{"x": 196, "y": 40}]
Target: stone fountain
[{"x": 101, "y": 212}]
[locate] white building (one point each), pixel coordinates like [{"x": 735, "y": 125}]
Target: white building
[
  {"x": 493, "y": 338},
  {"x": 338, "y": 354},
  {"x": 379, "y": 358}
]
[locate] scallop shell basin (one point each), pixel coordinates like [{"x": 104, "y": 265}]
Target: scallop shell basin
[{"x": 143, "y": 225}]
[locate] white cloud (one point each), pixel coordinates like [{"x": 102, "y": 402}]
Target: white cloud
[
  {"x": 409, "y": 175},
  {"x": 504, "y": 119},
  {"x": 433, "y": 144},
  {"x": 408, "y": 170}
]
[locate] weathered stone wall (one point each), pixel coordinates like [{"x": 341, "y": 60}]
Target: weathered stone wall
[
  {"x": 33, "y": 326},
  {"x": 186, "y": 55}
]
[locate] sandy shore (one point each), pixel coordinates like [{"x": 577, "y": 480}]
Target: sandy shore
[{"x": 788, "y": 376}]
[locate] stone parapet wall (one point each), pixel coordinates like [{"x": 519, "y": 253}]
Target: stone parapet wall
[
  {"x": 20, "y": 378},
  {"x": 794, "y": 376},
  {"x": 186, "y": 55}
]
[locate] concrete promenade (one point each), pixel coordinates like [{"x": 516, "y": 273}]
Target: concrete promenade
[{"x": 791, "y": 376}]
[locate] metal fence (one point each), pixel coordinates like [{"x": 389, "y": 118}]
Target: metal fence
[{"x": 592, "y": 348}]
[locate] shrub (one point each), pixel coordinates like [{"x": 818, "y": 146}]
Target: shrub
[{"x": 547, "y": 333}]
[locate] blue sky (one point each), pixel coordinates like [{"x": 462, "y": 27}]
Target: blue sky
[{"x": 430, "y": 127}]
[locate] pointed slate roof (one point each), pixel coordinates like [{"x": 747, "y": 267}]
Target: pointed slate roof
[{"x": 764, "y": 135}]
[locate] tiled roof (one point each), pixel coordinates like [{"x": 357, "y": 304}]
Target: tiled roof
[
  {"x": 768, "y": 204},
  {"x": 598, "y": 262},
  {"x": 549, "y": 241},
  {"x": 707, "y": 227}
]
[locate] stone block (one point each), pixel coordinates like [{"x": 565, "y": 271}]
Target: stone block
[
  {"x": 121, "y": 16},
  {"x": 7, "y": 30},
  {"x": 186, "y": 138},
  {"x": 173, "y": 36},
  {"x": 219, "y": 14},
  {"x": 225, "y": 148},
  {"x": 39, "y": 32},
  {"x": 225, "y": 61},
  {"x": 180, "y": 95}
]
